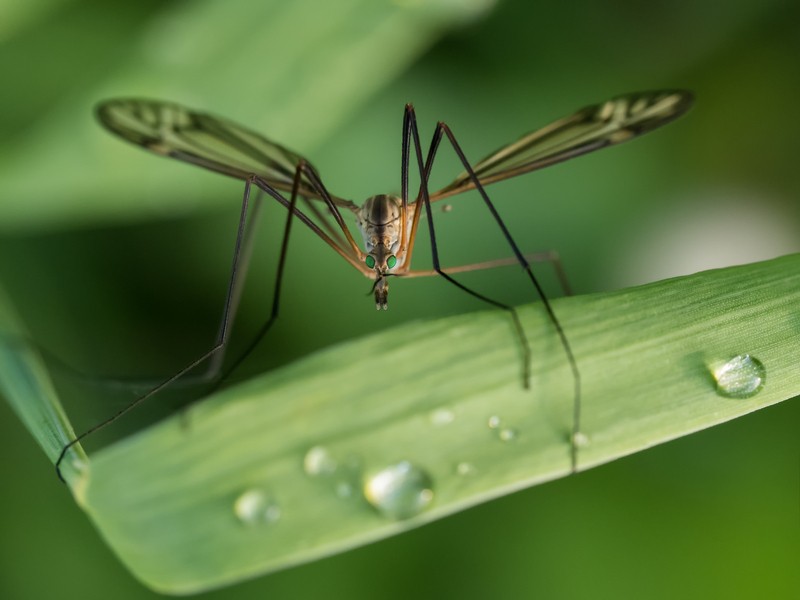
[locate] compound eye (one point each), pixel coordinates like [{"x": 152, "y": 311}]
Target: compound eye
[
  {"x": 370, "y": 261},
  {"x": 391, "y": 261}
]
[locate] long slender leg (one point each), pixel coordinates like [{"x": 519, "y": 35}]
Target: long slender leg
[
  {"x": 220, "y": 342},
  {"x": 350, "y": 251},
  {"x": 215, "y": 364},
  {"x": 410, "y": 130},
  {"x": 575, "y": 434},
  {"x": 306, "y": 172},
  {"x": 550, "y": 256},
  {"x": 301, "y": 169},
  {"x": 334, "y": 234},
  {"x": 443, "y": 129},
  {"x": 554, "y": 258}
]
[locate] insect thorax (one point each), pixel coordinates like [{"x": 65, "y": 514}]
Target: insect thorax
[{"x": 379, "y": 222}]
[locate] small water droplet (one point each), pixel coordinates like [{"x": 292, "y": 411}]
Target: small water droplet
[
  {"x": 272, "y": 512},
  {"x": 399, "y": 491},
  {"x": 742, "y": 376},
  {"x": 255, "y": 507},
  {"x": 580, "y": 439},
  {"x": 318, "y": 461},
  {"x": 442, "y": 416},
  {"x": 507, "y": 435},
  {"x": 465, "y": 468},
  {"x": 344, "y": 489},
  {"x": 504, "y": 434}
]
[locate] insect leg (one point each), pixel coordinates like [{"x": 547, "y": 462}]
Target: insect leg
[
  {"x": 443, "y": 130},
  {"x": 550, "y": 256},
  {"x": 231, "y": 299},
  {"x": 276, "y": 293}
]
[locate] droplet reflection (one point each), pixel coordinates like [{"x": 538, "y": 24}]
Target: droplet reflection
[
  {"x": 742, "y": 376},
  {"x": 254, "y": 507},
  {"x": 399, "y": 491}
]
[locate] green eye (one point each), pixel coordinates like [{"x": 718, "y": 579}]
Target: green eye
[
  {"x": 370, "y": 260},
  {"x": 391, "y": 261}
]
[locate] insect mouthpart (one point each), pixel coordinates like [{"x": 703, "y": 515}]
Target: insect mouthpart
[{"x": 381, "y": 290}]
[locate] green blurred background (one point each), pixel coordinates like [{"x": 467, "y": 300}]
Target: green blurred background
[{"x": 117, "y": 260}]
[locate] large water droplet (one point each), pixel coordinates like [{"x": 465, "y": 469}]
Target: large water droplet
[
  {"x": 255, "y": 507},
  {"x": 399, "y": 491},
  {"x": 742, "y": 376}
]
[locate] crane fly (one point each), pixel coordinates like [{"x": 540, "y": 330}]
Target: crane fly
[{"x": 388, "y": 223}]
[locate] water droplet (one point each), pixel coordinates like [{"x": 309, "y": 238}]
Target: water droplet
[
  {"x": 504, "y": 434},
  {"x": 318, "y": 461},
  {"x": 339, "y": 476},
  {"x": 272, "y": 512},
  {"x": 255, "y": 507},
  {"x": 742, "y": 376},
  {"x": 344, "y": 489},
  {"x": 507, "y": 435},
  {"x": 465, "y": 468},
  {"x": 399, "y": 491},
  {"x": 442, "y": 416},
  {"x": 580, "y": 439}
]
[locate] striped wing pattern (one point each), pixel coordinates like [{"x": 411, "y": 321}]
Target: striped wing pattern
[
  {"x": 226, "y": 147},
  {"x": 591, "y": 128},
  {"x": 206, "y": 140}
]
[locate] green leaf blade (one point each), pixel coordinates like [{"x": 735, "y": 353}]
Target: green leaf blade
[
  {"x": 25, "y": 383},
  {"x": 165, "y": 499}
]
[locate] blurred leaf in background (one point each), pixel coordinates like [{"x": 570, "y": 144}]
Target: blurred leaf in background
[{"x": 117, "y": 259}]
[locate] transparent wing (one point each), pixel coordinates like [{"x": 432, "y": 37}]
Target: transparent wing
[
  {"x": 615, "y": 121},
  {"x": 202, "y": 139}
]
